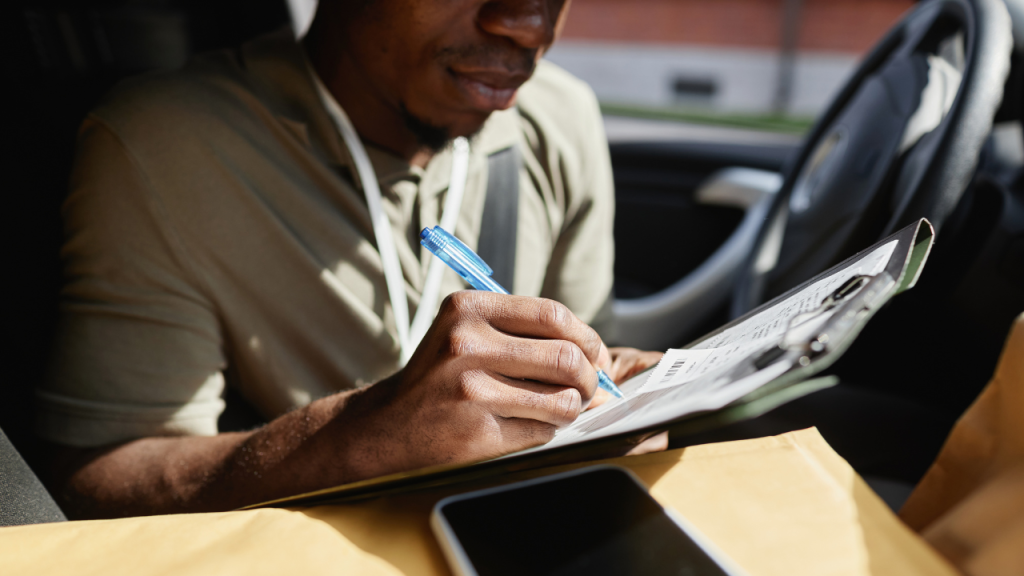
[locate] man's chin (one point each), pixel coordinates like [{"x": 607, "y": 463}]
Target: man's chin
[
  {"x": 427, "y": 135},
  {"x": 469, "y": 128},
  {"x": 435, "y": 137}
]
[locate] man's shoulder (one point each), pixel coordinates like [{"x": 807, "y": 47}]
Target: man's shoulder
[
  {"x": 215, "y": 91},
  {"x": 552, "y": 82},
  {"x": 556, "y": 100},
  {"x": 204, "y": 89},
  {"x": 561, "y": 108}
]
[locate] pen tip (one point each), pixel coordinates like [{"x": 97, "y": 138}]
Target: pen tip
[{"x": 605, "y": 382}]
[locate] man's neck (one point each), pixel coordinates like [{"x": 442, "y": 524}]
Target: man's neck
[{"x": 376, "y": 120}]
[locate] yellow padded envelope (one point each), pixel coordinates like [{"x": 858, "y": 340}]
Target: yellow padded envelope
[
  {"x": 784, "y": 505},
  {"x": 970, "y": 504}
]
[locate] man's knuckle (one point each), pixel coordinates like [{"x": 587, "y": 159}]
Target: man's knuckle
[
  {"x": 568, "y": 357},
  {"x": 461, "y": 343},
  {"x": 552, "y": 314},
  {"x": 594, "y": 342},
  {"x": 448, "y": 305},
  {"x": 569, "y": 404},
  {"x": 459, "y": 303},
  {"x": 470, "y": 387}
]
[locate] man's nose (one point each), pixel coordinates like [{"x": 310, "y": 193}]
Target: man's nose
[{"x": 528, "y": 23}]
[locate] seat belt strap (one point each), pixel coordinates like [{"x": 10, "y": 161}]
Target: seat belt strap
[{"x": 497, "y": 244}]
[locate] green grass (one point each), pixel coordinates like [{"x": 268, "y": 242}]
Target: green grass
[{"x": 763, "y": 122}]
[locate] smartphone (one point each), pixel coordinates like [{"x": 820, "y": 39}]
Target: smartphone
[{"x": 589, "y": 522}]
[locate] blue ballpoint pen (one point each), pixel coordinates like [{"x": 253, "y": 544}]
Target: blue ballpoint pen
[{"x": 474, "y": 270}]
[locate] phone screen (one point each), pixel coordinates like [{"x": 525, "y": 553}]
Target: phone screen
[{"x": 599, "y": 522}]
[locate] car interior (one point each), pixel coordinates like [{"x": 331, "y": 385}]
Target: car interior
[{"x": 929, "y": 125}]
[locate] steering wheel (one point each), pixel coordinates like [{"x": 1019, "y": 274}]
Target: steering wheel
[{"x": 900, "y": 142}]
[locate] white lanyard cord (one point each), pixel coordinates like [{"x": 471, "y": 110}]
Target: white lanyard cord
[
  {"x": 408, "y": 336},
  {"x": 436, "y": 268}
]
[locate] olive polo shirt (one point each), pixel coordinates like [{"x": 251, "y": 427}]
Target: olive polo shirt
[{"x": 214, "y": 233}]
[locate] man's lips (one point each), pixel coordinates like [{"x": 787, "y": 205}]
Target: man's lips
[{"x": 487, "y": 89}]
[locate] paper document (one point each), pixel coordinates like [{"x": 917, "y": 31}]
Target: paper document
[
  {"x": 704, "y": 377},
  {"x": 772, "y": 351},
  {"x": 760, "y": 331}
]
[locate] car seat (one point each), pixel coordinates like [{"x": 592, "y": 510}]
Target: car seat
[{"x": 23, "y": 499}]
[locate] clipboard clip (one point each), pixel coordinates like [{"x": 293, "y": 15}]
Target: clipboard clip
[{"x": 817, "y": 331}]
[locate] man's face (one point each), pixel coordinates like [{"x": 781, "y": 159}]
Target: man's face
[{"x": 449, "y": 64}]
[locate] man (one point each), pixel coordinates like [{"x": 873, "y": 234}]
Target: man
[{"x": 220, "y": 223}]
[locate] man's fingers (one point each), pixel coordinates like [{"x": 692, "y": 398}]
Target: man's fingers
[
  {"x": 626, "y": 362},
  {"x": 604, "y": 359},
  {"x": 558, "y": 363},
  {"x": 526, "y": 317},
  {"x": 524, "y": 399},
  {"x": 505, "y": 397},
  {"x": 522, "y": 433},
  {"x": 656, "y": 443},
  {"x": 600, "y": 397}
]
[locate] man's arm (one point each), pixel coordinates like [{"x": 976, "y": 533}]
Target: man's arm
[{"x": 495, "y": 374}]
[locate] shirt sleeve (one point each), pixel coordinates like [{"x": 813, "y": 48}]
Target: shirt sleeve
[{"x": 138, "y": 350}]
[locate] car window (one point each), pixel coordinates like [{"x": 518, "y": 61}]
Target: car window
[{"x": 747, "y": 64}]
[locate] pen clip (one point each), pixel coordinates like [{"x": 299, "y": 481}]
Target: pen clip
[{"x": 463, "y": 249}]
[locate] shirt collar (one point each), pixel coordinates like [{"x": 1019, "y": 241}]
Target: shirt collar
[{"x": 283, "y": 79}]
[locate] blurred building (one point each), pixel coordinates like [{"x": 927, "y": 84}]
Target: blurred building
[{"x": 751, "y": 56}]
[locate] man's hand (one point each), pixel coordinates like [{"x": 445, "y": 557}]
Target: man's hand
[
  {"x": 628, "y": 362},
  {"x": 494, "y": 374},
  {"x": 625, "y": 363},
  {"x": 621, "y": 364}
]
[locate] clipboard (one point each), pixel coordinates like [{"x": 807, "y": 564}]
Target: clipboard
[{"x": 783, "y": 368}]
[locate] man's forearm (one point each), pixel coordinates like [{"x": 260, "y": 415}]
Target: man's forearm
[
  {"x": 297, "y": 452},
  {"x": 495, "y": 374}
]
